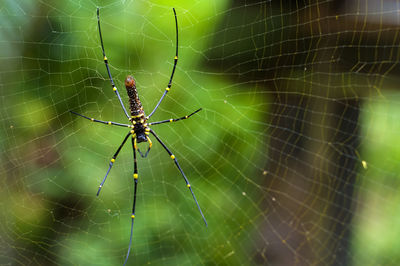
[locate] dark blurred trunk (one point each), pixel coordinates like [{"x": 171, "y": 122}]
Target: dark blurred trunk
[
  {"x": 345, "y": 178},
  {"x": 312, "y": 174}
]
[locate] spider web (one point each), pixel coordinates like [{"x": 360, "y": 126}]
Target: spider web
[{"x": 294, "y": 158}]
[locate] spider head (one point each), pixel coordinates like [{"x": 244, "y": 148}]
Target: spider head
[
  {"x": 141, "y": 138},
  {"x": 130, "y": 82}
]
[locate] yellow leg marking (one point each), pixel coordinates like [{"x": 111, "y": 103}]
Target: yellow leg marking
[
  {"x": 150, "y": 143},
  {"x": 135, "y": 176},
  {"x": 186, "y": 117},
  {"x": 114, "y": 88},
  {"x": 132, "y": 131},
  {"x": 167, "y": 89},
  {"x": 109, "y": 122},
  {"x": 188, "y": 185},
  {"x": 105, "y": 58},
  {"x": 112, "y": 160},
  {"x": 134, "y": 144},
  {"x": 133, "y": 216},
  {"x": 147, "y": 129},
  {"x": 176, "y": 58},
  {"x": 92, "y": 119},
  {"x": 171, "y": 120},
  {"x": 172, "y": 156}
]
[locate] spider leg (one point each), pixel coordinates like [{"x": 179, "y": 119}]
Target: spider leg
[
  {"x": 173, "y": 119},
  {"x": 103, "y": 122},
  {"x": 180, "y": 169},
  {"x": 108, "y": 69},
  {"x": 112, "y": 162},
  {"x": 173, "y": 69},
  {"x": 135, "y": 177}
]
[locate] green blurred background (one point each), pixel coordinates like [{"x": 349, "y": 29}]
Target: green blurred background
[{"x": 293, "y": 159}]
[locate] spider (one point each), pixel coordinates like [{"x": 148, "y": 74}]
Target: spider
[{"x": 139, "y": 127}]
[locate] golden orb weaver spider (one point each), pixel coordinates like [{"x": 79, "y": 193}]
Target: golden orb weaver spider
[{"x": 139, "y": 128}]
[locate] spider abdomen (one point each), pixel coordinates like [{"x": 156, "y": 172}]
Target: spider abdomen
[{"x": 135, "y": 105}]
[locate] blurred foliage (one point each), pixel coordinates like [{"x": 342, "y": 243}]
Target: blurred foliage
[{"x": 376, "y": 241}]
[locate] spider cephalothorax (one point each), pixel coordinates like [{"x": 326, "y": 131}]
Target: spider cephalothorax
[{"x": 139, "y": 128}]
